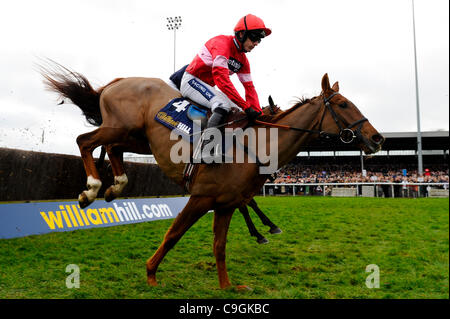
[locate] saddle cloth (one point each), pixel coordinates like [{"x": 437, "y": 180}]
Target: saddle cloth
[{"x": 180, "y": 113}]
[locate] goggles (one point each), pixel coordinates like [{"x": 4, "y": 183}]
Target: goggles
[{"x": 256, "y": 35}]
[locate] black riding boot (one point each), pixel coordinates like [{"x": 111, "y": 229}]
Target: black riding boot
[{"x": 214, "y": 121}]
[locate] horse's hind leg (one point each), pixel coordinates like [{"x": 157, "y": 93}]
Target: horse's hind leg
[
  {"x": 274, "y": 229},
  {"x": 87, "y": 143},
  {"x": 134, "y": 144},
  {"x": 101, "y": 158},
  {"x": 251, "y": 226},
  {"x": 194, "y": 209},
  {"x": 115, "y": 156}
]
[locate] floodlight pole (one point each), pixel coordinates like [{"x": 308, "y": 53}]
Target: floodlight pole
[
  {"x": 419, "y": 134},
  {"x": 174, "y": 23}
]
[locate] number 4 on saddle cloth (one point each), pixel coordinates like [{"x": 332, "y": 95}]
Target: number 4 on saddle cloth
[{"x": 179, "y": 115}]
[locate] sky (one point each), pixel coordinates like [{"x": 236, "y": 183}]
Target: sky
[{"x": 365, "y": 45}]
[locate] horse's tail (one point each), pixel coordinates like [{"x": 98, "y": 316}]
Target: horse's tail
[{"x": 76, "y": 87}]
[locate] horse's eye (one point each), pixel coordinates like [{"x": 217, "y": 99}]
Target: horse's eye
[{"x": 343, "y": 105}]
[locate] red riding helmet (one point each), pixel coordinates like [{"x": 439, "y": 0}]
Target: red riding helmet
[{"x": 253, "y": 27}]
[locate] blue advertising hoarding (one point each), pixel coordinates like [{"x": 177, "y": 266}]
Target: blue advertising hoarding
[{"x": 19, "y": 220}]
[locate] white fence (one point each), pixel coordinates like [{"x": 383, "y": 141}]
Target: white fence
[{"x": 359, "y": 189}]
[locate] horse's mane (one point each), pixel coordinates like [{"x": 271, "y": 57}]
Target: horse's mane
[{"x": 278, "y": 116}]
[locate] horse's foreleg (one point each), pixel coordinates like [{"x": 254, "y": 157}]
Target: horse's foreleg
[
  {"x": 120, "y": 178},
  {"x": 87, "y": 143},
  {"x": 251, "y": 226},
  {"x": 221, "y": 224},
  {"x": 274, "y": 229},
  {"x": 194, "y": 209}
]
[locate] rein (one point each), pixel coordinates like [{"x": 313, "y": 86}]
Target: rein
[{"x": 346, "y": 135}]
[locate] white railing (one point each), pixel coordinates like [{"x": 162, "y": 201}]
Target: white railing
[{"x": 405, "y": 188}]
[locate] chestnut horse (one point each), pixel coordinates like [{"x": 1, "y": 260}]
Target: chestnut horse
[
  {"x": 126, "y": 108},
  {"x": 118, "y": 150}
]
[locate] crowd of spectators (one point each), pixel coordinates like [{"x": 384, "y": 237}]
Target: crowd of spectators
[{"x": 297, "y": 173}]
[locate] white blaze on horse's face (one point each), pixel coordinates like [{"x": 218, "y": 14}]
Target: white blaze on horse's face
[{"x": 93, "y": 186}]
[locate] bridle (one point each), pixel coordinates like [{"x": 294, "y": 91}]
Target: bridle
[{"x": 347, "y": 135}]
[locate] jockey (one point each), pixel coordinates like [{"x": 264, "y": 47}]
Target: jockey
[{"x": 220, "y": 57}]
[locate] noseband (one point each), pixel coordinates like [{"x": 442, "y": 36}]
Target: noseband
[{"x": 346, "y": 135}]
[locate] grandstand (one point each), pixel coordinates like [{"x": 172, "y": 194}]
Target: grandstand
[
  {"x": 391, "y": 172},
  {"x": 399, "y": 152}
]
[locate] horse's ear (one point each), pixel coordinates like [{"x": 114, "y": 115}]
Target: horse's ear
[
  {"x": 335, "y": 87},
  {"x": 271, "y": 101},
  {"x": 325, "y": 83}
]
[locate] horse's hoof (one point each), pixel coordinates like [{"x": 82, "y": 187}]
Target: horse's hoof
[
  {"x": 109, "y": 195},
  {"x": 275, "y": 230},
  {"x": 262, "y": 240},
  {"x": 244, "y": 288},
  {"x": 83, "y": 200},
  {"x": 151, "y": 281}
]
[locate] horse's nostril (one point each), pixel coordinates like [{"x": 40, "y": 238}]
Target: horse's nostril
[{"x": 378, "y": 139}]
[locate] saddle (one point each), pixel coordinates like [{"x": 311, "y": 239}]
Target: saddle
[{"x": 234, "y": 119}]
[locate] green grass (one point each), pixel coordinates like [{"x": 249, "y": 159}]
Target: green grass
[{"x": 323, "y": 252}]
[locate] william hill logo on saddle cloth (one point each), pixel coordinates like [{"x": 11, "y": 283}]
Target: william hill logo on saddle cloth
[{"x": 175, "y": 117}]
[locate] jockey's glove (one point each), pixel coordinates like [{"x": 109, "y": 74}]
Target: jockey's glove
[{"x": 252, "y": 114}]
